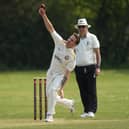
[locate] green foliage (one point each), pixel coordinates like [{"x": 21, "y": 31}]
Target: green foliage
[
  {"x": 25, "y": 43},
  {"x": 22, "y": 36},
  {"x": 113, "y": 30}
]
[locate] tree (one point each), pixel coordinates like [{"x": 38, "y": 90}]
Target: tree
[
  {"x": 112, "y": 27},
  {"x": 25, "y": 43}
]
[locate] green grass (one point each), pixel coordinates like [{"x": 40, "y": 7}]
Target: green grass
[{"x": 16, "y": 102}]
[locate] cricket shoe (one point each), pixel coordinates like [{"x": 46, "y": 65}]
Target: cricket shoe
[
  {"x": 89, "y": 114},
  {"x": 84, "y": 115},
  {"x": 49, "y": 118},
  {"x": 72, "y": 107}
]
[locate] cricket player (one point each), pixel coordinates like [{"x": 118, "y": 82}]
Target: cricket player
[{"x": 63, "y": 62}]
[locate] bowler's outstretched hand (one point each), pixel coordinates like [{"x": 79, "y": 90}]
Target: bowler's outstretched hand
[{"x": 42, "y": 10}]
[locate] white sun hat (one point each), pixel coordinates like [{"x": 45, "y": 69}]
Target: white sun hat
[{"x": 82, "y": 22}]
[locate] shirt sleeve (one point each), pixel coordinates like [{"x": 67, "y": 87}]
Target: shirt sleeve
[
  {"x": 96, "y": 43},
  {"x": 56, "y": 37}
]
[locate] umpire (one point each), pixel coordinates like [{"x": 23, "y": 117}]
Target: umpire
[{"x": 88, "y": 59}]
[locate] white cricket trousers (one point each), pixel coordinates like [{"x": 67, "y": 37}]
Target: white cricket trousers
[{"x": 53, "y": 84}]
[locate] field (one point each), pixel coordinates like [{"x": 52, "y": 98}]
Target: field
[{"x": 16, "y": 102}]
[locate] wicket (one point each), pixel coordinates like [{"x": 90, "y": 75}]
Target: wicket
[{"x": 41, "y": 81}]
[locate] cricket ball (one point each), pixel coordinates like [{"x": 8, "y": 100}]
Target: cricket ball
[{"x": 43, "y": 6}]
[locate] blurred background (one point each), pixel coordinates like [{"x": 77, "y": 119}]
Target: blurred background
[{"x": 25, "y": 43}]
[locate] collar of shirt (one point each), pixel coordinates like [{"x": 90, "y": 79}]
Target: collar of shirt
[{"x": 86, "y": 36}]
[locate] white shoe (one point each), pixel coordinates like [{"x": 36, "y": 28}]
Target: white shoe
[
  {"x": 91, "y": 114},
  {"x": 49, "y": 118},
  {"x": 72, "y": 109},
  {"x": 84, "y": 115}
]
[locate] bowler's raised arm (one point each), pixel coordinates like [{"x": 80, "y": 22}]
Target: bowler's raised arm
[{"x": 47, "y": 22}]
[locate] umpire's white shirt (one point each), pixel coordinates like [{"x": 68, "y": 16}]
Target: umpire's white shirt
[
  {"x": 85, "y": 54},
  {"x": 63, "y": 58}
]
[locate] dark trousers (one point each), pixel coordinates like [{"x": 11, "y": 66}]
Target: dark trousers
[{"x": 86, "y": 79}]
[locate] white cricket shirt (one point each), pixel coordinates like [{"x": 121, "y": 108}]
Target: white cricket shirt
[
  {"x": 63, "y": 58},
  {"x": 85, "y": 54}
]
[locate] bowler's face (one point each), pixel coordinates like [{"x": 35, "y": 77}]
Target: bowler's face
[{"x": 71, "y": 41}]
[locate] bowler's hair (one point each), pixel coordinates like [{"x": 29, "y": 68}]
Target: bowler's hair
[{"x": 77, "y": 37}]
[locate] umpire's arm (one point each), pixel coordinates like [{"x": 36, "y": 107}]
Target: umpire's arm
[{"x": 98, "y": 60}]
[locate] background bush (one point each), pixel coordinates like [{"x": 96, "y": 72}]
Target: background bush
[{"x": 25, "y": 43}]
